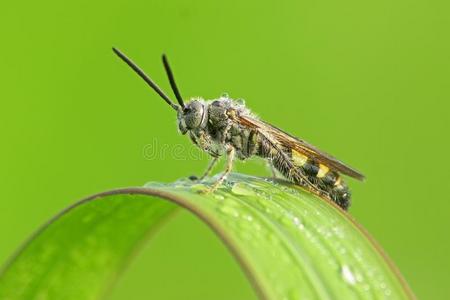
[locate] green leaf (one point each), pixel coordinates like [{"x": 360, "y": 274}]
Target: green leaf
[{"x": 290, "y": 244}]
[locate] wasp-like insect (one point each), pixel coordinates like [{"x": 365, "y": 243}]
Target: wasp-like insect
[{"x": 225, "y": 126}]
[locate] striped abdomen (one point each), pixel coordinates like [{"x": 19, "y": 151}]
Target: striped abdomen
[
  {"x": 323, "y": 178},
  {"x": 306, "y": 172}
]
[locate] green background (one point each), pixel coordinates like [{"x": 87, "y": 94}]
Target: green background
[{"x": 365, "y": 81}]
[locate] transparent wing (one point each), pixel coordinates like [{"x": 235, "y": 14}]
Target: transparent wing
[{"x": 292, "y": 142}]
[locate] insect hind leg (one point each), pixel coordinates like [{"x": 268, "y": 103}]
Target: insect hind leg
[{"x": 272, "y": 168}]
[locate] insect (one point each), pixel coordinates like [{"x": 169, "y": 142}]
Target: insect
[{"x": 226, "y": 127}]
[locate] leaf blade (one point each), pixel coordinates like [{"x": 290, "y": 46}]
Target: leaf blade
[{"x": 290, "y": 243}]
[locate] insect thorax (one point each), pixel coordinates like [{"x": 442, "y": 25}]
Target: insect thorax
[{"x": 220, "y": 128}]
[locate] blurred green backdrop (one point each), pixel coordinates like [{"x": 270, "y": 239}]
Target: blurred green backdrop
[{"x": 365, "y": 80}]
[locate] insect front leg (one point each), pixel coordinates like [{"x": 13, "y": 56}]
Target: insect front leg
[
  {"x": 202, "y": 141},
  {"x": 230, "y": 158},
  {"x": 211, "y": 165},
  {"x": 215, "y": 159}
]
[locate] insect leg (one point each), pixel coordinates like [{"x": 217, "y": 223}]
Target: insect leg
[
  {"x": 293, "y": 173},
  {"x": 230, "y": 158},
  {"x": 272, "y": 169},
  {"x": 211, "y": 165},
  {"x": 225, "y": 132}
]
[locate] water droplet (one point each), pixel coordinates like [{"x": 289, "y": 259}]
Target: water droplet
[
  {"x": 240, "y": 101},
  {"x": 348, "y": 275},
  {"x": 242, "y": 189},
  {"x": 199, "y": 188},
  {"x": 229, "y": 207},
  {"x": 298, "y": 223},
  {"x": 218, "y": 197},
  {"x": 229, "y": 211}
]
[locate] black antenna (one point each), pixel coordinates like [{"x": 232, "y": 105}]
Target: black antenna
[
  {"x": 144, "y": 76},
  {"x": 172, "y": 81}
]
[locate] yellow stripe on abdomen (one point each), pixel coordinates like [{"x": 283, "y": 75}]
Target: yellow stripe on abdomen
[
  {"x": 338, "y": 181},
  {"x": 323, "y": 170},
  {"x": 298, "y": 158}
]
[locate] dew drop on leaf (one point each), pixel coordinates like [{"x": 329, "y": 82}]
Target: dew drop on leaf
[
  {"x": 348, "y": 275},
  {"x": 242, "y": 189},
  {"x": 199, "y": 188}
]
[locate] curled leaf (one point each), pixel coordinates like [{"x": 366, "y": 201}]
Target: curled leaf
[{"x": 290, "y": 244}]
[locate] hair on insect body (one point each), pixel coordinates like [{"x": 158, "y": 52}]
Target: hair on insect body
[{"x": 225, "y": 127}]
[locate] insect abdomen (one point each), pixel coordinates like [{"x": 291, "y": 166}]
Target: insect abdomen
[
  {"x": 306, "y": 172},
  {"x": 323, "y": 178}
]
